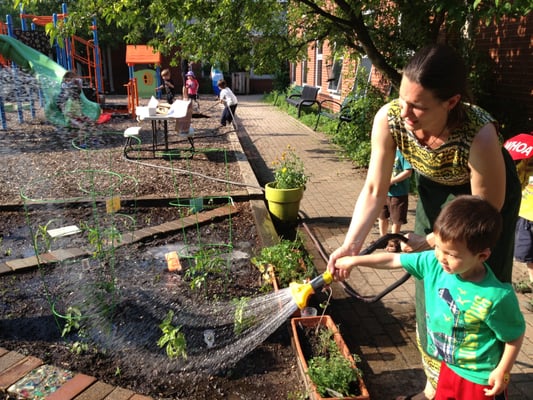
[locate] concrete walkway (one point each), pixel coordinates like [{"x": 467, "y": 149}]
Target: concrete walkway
[{"x": 382, "y": 333}]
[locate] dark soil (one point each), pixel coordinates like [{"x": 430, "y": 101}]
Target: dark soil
[{"x": 66, "y": 178}]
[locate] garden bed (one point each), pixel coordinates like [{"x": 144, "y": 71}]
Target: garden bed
[{"x": 36, "y": 154}]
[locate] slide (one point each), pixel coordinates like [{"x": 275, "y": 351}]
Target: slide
[{"x": 49, "y": 74}]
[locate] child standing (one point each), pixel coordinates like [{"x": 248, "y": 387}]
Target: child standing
[
  {"x": 69, "y": 99},
  {"x": 192, "y": 86},
  {"x": 397, "y": 202},
  {"x": 229, "y": 100},
  {"x": 167, "y": 86},
  {"x": 474, "y": 323}
]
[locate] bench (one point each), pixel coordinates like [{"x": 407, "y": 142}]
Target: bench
[
  {"x": 343, "y": 115},
  {"x": 305, "y": 99}
]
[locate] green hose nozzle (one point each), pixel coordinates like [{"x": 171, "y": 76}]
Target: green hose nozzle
[{"x": 301, "y": 291}]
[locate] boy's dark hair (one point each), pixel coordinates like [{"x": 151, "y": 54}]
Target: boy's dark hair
[
  {"x": 471, "y": 220},
  {"x": 222, "y": 83}
]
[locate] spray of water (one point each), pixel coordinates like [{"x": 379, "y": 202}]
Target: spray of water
[{"x": 214, "y": 340}]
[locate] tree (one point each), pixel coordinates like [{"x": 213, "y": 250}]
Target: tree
[{"x": 264, "y": 33}]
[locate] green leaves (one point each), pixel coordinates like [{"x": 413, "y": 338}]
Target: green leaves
[{"x": 172, "y": 339}]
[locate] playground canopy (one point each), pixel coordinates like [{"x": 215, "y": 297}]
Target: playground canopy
[{"x": 142, "y": 54}]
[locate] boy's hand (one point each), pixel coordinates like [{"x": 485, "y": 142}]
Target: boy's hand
[
  {"x": 499, "y": 380},
  {"x": 343, "y": 267}
]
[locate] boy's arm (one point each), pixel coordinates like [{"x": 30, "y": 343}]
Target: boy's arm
[
  {"x": 402, "y": 176},
  {"x": 344, "y": 265},
  {"x": 499, "y": 378}
]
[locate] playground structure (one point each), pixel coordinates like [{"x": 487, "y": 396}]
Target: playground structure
[
  {"x": 135, "y": 55},
  {"x": 75, "y": 53}
]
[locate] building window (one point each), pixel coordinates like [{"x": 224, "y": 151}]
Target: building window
[
  {"x": 293, "y": 72},
  {"x": 334, "y": 76},
  {"x": 304, "y": 71},
  {"x": 318, "y": 65}
]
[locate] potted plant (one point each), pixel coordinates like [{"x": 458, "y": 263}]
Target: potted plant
[
  {"x": 284, "y": 194},
  {"x": 328, "y": 367}
]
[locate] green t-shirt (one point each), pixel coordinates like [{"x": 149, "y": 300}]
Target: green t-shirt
[{"x": 467, "y": 322}]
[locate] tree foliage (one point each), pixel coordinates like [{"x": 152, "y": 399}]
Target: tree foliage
[{"x": 264, "y": 33}]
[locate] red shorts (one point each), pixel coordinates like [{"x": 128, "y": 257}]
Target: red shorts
[{"x": 452, "y": 387}]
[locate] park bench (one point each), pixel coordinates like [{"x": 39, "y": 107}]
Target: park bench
[
  {"x": 343, "y": 112},
  {"x": 305, "y": 99}
]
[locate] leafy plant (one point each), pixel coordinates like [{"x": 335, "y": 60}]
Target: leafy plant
[
  {"x": 288, "y": 259},
  {"x": 241, "y": 323},
  {"x": 206, "y": 262},
  {"x": 331, "y": 372},
  {"x": 73, "y": 319},
  {"x": 172, "y": 339},
  {"x": 289, "y": 170}
]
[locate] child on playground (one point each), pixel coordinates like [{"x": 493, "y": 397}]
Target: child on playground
[
  {"x": 397, "y": 202},
  {"x": 69, "y": 98},
  {"x": 192, "y": 86},
  {"x": 474, "y": 323},
  {"x": 167, "y": 86},
  {"x": 229, "y": 100}
]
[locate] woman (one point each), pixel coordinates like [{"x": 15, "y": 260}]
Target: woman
[{"x": 454, "y": 147}]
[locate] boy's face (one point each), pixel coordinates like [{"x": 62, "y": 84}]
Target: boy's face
[{"x": 455, "y": 258}]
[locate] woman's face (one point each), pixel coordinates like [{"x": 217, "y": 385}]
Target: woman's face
[{"x": 420, "y": 109}]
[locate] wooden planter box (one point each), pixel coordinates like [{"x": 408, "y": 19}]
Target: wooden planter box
[{"x": 327, "y": 321}]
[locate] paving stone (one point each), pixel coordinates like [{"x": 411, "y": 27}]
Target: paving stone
[
  {"x": 5, "y": 269},
  {"x": 9, "y": 359},
  {"x": 73, "y": 387},
  {"x": 98, "y": 391},
  {"x": 119, "y": 394},
  {"x": 17, "y": 371}
]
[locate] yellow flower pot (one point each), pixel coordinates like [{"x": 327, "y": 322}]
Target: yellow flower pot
[{"x": 283, "y": 204}]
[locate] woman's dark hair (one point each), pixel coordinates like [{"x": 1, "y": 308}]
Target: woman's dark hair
[{"x": 441, "y": 70}]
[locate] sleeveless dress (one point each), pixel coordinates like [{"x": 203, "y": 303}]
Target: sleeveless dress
[{"x": 442, "y": 174}]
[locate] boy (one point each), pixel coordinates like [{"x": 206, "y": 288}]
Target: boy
[
  {"x": 229, "y": 100},
  {"x": 397, "y": 201},
  {"x": 474, "y": 324},
  {"x": 167, "y": 86}
]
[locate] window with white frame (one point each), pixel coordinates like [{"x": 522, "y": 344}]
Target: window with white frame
[
  {"x": 335, "y": 76},
  {"x": 304, "y": 71},
  {"x": 318, "y": 65}
]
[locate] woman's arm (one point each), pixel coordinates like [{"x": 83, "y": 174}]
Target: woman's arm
[
  {"x": 487, "y": 167},
  {"x": 374, "y": 191}
]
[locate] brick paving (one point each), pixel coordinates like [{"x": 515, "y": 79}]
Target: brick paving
[{"x": 382, "y": 332}]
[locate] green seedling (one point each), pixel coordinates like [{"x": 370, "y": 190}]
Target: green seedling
[
  {"x": 172, "y": 339},
  {"x": 241, "y": 323}
]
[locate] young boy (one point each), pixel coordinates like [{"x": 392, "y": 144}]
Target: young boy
[
  {"x": 167, "y": 86},
  {"x": 474, "y": 323},
  {"x": 397, "y": 201},
  {"x": 229, "y": 100}
]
